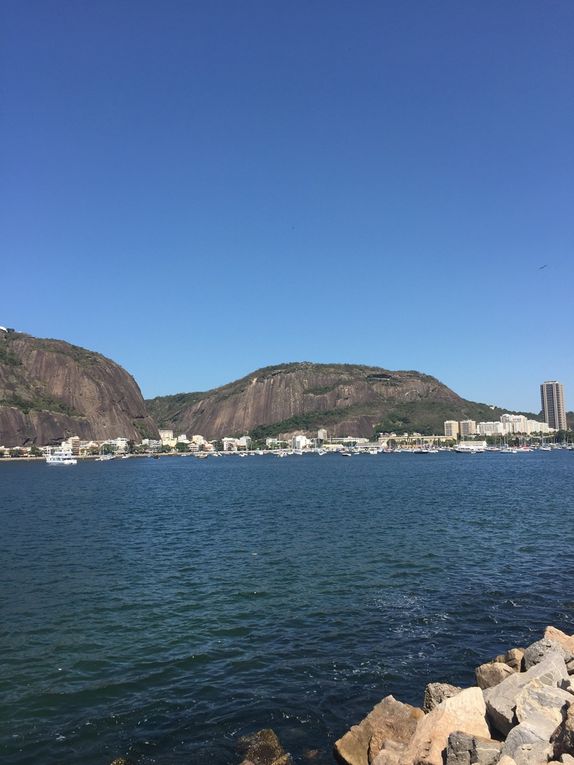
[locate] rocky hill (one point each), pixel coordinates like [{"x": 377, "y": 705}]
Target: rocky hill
[
  {"x": 50, "y": 390},
  {"x": 302, "y": 397}
]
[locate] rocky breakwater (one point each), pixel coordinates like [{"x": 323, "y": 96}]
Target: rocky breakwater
[{"x": 521, "y": 712}]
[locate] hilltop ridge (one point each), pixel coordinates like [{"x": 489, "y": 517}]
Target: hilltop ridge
[{"x": 347, "y": 399}]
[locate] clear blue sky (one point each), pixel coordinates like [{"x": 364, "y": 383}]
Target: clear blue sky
[{"x": 198, "y": 189}]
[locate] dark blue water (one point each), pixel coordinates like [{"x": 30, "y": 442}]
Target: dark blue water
[{"x": 161, "y": 608}]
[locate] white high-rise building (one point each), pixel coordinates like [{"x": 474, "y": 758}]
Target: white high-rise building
[
  {"x": 468, "y": 427},
  {"x": 451, "y": 428}
]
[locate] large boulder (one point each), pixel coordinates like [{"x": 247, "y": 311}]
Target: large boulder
[
  {"x": 529, "y": 742},
  {"x": 263, "y": 748},
  {"x": 557, "y": 636},
  {"x": 501, "y": 699},
  {"x": 538, "y": 651},
  {"x": 492, "y": 673},
  {"x": 465, "y": 712},
  {"x": 389, "y": 721},
  {"x": 435, "y": 693},
  {"x": 471, "y": 750},
  {"x": 536, "y": 698}
]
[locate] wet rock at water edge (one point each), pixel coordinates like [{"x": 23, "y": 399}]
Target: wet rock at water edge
[
  {"x": 263, "y": 748},
  {"x": 538, "y": 651},
  {"x": 435, "y": 693},
  {"x": 390, "y": 724}
]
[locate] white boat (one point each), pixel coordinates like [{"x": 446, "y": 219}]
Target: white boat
[
  {"x": 105, "y": 458},
  {"x": 61, "y": 457}
]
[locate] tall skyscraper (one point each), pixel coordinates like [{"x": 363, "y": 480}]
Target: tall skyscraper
[{"x": 553, "y": 408}]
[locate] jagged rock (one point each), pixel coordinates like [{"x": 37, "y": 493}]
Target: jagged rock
[
  {"x": 536, "y": 652},
  {"x": 537, "y": 698},
  {"x": 492, "y": 673},
  {"x": 506, "y": 760},
  {"x": 435, "y": 693},
  {"x": 567, "y": 759},
  {"x": 464, "y": 712},
  {"x": 471, "y": 750},
  {"x": 263, "y": 748},
  {"x": 514, "y": 658},
  {"x": 562, "y": 738},
  {"x": 530, "y": 738},
  {"x": 501, "y": 699},
  {"x": 557, "y": 636},
  {"x": 389, "y": 720}
]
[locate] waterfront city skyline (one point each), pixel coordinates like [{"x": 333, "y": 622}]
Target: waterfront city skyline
[{"x": 197, "y": 191}]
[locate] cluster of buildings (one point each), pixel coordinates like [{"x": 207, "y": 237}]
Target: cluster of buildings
[
  {"x": 74, "y": 445},
  {"x": 553, "y": 412},
  {"x": 244, "y": 443}
]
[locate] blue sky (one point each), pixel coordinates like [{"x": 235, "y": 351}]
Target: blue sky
[{"x": 198, "y": 189}]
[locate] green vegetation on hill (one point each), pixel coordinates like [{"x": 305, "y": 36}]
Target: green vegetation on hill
[
  {"x": 428, "y": 417},
  {"x": 165, "y": 409},
  {"x": 364, "y": 399},
  {"x": 38, "y": 404}
]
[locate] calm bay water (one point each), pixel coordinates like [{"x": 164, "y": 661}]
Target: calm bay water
[{"x": 161, "y": 608}]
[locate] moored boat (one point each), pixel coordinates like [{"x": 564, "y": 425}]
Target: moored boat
[{"x": 61, "y": 457}]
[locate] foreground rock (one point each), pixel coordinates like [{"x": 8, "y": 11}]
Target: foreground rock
[
  {"x": 501, "y": 700},
  {"x": 390, "y": 721},
  {"x": 521, "y": 713},
  {"x": 465, "y": 712},
  {"x": 263, "y": 748}
]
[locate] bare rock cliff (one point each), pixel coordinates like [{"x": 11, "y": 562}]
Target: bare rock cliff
[
  {"x": 301, "y": 397},
  {"x": 50, "y": 390}
]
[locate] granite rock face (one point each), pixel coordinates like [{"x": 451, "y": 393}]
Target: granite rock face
[
  {"x": 465, "y": 713},
  {"x": 471, "y": 750},
  {"x": 536, "y": 652},
  {"x": 347, "y": 399},
  {"x": 50, "y": 390},
  {"x": 435, "y": 693},
  {"x": 502, "y": 698}
]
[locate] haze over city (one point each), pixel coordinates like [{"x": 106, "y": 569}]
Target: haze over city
[{"x": 197, "y": 191}]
